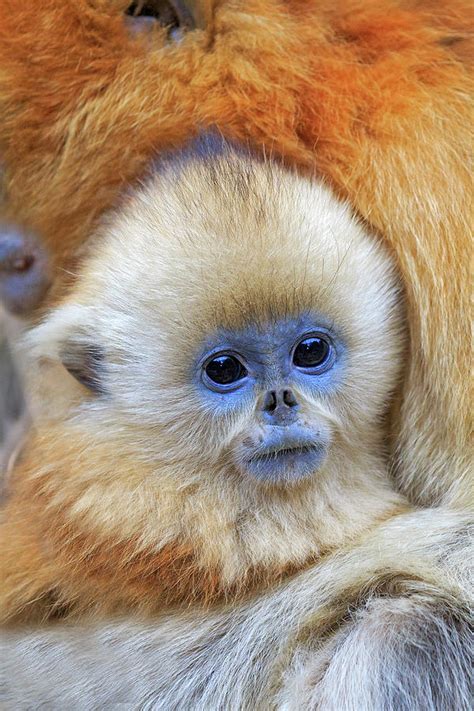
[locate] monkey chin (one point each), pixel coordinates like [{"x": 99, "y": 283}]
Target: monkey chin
[{"x": 283, "y": 456}]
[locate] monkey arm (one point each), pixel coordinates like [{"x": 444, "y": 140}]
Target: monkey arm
[
  {"x": 406, "y": 651},
  {"x": 404, "y": 588},
  {"x": 405, "y": 643}
]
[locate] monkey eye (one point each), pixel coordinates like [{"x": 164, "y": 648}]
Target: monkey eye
[
  {"x": 314, "y": 353},
  {"x": 223, "y": 370},
  {"x": 172, "y": 14}
]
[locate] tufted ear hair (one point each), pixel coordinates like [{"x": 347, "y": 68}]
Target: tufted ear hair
[
  {"x": 67, "y": 337},
  {"x": 85, "y": 362}
]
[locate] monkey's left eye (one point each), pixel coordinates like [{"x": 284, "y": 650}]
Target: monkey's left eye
[
  {"x": 223, "y": 371},
  {"x": 314, "y": 353},
  {"x": 172, "y": 14}
]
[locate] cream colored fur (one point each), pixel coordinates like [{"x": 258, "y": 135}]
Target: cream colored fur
[
  {"x": 200, "y": 247},
  {"x": 223, "y": 244}
]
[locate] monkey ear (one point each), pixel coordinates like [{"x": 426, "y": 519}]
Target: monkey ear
[
  {"x": 68, "y": 337},
  {"x": 85, "y": 361}
]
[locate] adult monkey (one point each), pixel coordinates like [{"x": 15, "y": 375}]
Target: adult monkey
[{"x": 373, "y": 96}]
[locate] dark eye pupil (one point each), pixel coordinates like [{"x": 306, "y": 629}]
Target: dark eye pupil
[
  {"x": 311, "y": 352},
  {"x": 225, "y": 370},
  {"x": 158, "y": 9},
  {"x": 173, "y": 14}
]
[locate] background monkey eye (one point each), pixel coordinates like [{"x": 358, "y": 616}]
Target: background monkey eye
[
  {"x": 314, "y": 353},
  {"x": 172, "y": 14},
  {"x": 224, "y": 370}
]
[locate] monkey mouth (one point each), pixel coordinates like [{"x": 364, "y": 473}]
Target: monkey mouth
[
  {"x": 271, "y": 455},
  {"x": 285, "y": 464}
]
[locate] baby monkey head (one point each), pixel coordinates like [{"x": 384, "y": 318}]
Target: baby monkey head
[
  {"x": 235, "y": 321},
  {"x": 213, "y": 389}
]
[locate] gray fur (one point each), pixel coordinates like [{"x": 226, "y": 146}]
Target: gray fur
[
  {"x": 12, "y": 404},
  {"x": 398, "y": 654},
  {"x": 400, "y": 642}
]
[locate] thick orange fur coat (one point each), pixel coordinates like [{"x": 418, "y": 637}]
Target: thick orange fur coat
[{"x": 372, "y": 94}]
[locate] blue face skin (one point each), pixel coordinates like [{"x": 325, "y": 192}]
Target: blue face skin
[
  {"x": 268, "y": 366},
  {"x": 24, "y": 271}
]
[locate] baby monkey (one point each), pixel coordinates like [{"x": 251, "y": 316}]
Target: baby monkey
[
  {"x": 209, "y": 452},
  {"x": 212, "y": 396}
]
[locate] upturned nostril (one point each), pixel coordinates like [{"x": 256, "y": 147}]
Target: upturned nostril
[
  {"x": 289, "y": 398},
  {"x": 276, "y": 402},
  {"x": 270, "y": 401}
]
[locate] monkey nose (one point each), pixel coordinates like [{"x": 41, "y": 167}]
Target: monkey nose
[{"x": 279, "y": 407}]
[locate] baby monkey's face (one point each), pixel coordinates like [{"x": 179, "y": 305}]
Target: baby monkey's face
[
  {"x": 234, "y": 341},
  {"x": 234, "y": 324},
  {"x": 277, "y": 372}
]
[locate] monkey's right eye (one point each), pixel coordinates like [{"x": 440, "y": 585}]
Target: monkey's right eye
[
  {"x": 223, "y": 371},
  {"x": 172, "y": 14}
]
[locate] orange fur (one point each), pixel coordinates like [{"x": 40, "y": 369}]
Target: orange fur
[
  {"x": 52, "y": 565},
  {"x": 56, "y": 564},
  {"x": 373, "y": 94}
]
